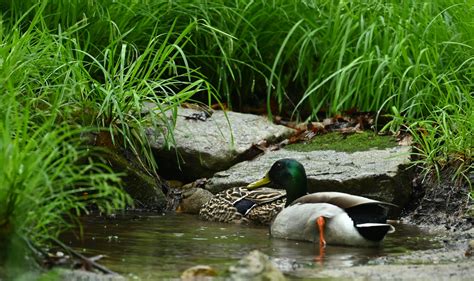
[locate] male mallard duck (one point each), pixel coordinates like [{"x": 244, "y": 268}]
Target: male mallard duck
[
  {"x": 338, "y": 218},
  {"x": 240, "y": 205}
]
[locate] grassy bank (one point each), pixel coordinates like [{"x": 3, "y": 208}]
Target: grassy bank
[
  {"x": 65, "y": 102},
  {"x": 73, "y": 68}
]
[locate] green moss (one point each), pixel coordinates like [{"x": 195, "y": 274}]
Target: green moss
[{"x": 345, "y": 143}]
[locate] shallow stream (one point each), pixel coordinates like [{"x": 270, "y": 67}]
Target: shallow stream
[{"x": 154, "y": 247}]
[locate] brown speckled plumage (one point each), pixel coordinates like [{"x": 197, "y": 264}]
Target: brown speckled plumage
[{"x": 269, "y": 202}]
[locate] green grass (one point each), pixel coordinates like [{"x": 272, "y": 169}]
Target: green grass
[
  {"x": 306, "y": 55},
  {"x": 60, "y": 93},
  {"x": 345, "y": 143},
  {"x": 366, "y": 54},
  {"x": 445, "y": 139}
]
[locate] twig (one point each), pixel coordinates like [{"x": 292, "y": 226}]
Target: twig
[
  {"x": 87, "y": 260},
  {"x": 37, "y": 252}
]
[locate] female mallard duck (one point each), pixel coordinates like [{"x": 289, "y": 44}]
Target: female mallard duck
[
  {"x": 241, "y": 205},
  {"x": 338, "y": 218}
]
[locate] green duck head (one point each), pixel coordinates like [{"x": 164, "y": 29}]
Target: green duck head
[{"x": 286, "y": 174}]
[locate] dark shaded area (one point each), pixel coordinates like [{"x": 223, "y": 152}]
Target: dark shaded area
[{"x": 148, "y": 191}]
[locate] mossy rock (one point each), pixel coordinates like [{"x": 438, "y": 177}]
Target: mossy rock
[
  {"x": 145, "y": 190},
  {"x": 336, "y": 141}
]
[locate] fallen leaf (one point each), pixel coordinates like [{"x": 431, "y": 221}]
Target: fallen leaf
[{"x": 407, "y": 140}]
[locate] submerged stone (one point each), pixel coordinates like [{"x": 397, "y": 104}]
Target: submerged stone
[
  {"x": 255, "y": 266},
  {"x": 199, "y": 272},
  {"x": 204, "y": 146}
]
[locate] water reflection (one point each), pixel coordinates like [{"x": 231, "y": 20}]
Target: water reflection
[{"x": 154, "y": 246}]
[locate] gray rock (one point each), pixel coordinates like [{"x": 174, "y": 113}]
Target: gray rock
[
  {"x": 212, "y": 145},
  {"x": 256, "y": 266},
  {"x": 377, "y": 174}
]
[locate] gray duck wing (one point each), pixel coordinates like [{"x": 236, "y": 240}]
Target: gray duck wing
[{"x": 342, "y": 200}]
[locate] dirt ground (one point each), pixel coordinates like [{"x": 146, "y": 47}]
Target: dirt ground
[{"x": 440, "y": 203}]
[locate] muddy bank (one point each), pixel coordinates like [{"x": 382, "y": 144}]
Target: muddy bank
[{"x": 439, "y": 203}]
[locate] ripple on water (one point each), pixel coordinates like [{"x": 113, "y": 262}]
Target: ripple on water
[{"x": 153, "y": 247}]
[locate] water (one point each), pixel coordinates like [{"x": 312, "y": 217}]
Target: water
[{"x": 152, "y": 247}]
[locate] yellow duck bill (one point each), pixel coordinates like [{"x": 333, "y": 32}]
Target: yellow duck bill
[{"x": 261, "y": 182}]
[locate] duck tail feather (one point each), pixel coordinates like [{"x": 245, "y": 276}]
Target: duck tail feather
[
  {"x": 372, "y": 224},
  {"x": 374, "y": 231},
  {"x": 390, "y": 230}
]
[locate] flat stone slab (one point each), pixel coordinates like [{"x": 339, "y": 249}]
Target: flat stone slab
[
  {"x": 376, "y": 174},
  {"x": 206, "y": 146}
]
